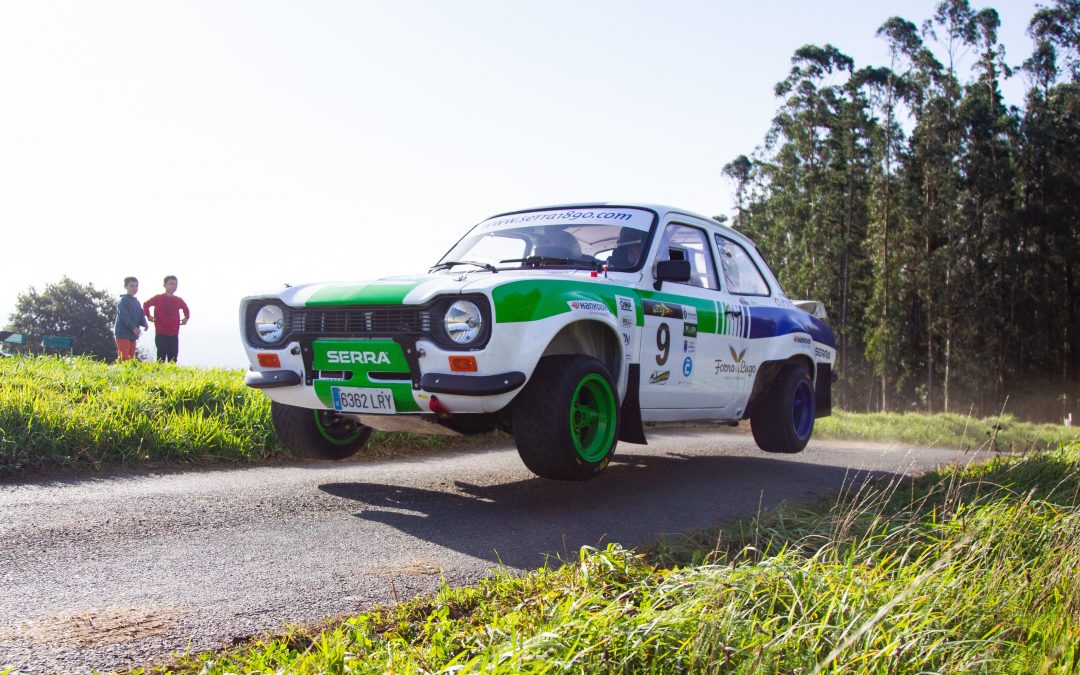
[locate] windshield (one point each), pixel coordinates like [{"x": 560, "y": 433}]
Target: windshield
[{"x": 541, "y": 239}]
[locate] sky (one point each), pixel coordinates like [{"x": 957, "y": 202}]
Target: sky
[{"x": 242, "y": 145}]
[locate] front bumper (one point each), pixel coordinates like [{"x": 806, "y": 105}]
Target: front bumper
[
  {"x": 472, "y": 385},
  {"x": 271, "y": 379}
]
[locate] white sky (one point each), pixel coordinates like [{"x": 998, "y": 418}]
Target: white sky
[{"x": 241, "y": 145}]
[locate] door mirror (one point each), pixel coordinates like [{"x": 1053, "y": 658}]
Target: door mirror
[{"x": 672, "y": 270}]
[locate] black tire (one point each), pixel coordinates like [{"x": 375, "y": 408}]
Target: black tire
[
  {"x": 783, "y": 420},
  {"x": 317, "y": 434},
  {"x": 562, "y": 389}
]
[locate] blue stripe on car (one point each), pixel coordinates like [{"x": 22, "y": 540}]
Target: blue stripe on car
[{"x": 775, "y": 321}]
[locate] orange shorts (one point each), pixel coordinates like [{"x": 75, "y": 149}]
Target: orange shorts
[{"x": 125, "y": 349}]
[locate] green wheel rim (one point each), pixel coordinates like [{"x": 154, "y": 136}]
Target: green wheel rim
[
  {"x": 592, "y": 418},
  {"x": 336, "y": 429}
]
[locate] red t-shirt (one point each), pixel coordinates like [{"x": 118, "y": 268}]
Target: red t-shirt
[{"x": 166, "y": 314}]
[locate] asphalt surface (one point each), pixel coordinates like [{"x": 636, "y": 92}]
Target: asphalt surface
[{"x": 112, "y": 572}]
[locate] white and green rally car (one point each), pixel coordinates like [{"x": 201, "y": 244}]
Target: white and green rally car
[{"x": 571, "y": 327}]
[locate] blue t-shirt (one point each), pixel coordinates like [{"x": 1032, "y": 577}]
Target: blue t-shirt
[{"x": 129, "y": 314}]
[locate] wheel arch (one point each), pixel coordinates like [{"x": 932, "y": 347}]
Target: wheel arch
[
  {"x": 767, "y": 373},
  {"x": 589, "y": 337}
]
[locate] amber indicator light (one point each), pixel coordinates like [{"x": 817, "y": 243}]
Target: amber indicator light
[
  {"x": 463, "y": 364},
  {"x": 269, "y": 361}
]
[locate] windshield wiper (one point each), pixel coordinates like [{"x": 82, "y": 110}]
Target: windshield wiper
[
  {"x": 537, "y": 260},
  {"x": 452, "y": 263}
]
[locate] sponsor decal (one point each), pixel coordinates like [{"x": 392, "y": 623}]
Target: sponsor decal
[
  {"x": 627, "y": 318},
  {"x": 588, "y": 306},
  {"x": 803, "y": 340},
  {"x": 659, "y": 376},
  {"x": 654, "y": 308},
  {"x": 634, "y": 218},
  {"x": 687, "y": 366},
  {"x": 357, "y": 357},
  {"x": 823, "y": 354},
  {"x": 689, "y": 330},
  {"x": 689, "y": 346},
  {"x": 737, "y": 367}
]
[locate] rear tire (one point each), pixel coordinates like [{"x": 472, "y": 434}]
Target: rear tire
[
  {"x": 566, "y": 420},
  {"x": 784, "y": 420},
  {"x": 317, "y": 434}
]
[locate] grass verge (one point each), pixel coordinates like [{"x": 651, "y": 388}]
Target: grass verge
[
  {"x": 1003, "y": 432},
  {"x": 77, "y": 414},
  {"x": 970, "y": 569}
]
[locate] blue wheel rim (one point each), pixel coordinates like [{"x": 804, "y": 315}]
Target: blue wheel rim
[{"x": 802, "y": 410}]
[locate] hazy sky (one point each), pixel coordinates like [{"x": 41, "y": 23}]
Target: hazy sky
[{"x": 242, "y": 145}]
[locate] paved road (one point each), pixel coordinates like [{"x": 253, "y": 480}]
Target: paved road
[{"x": 112, "y": 572}]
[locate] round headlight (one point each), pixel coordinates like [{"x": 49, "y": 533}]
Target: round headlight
[
  {"x": 463, "y": 322},
  {"x": 270, "y": 323}
]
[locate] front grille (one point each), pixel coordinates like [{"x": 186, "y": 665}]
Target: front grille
[{"x": 359, "y": 321}]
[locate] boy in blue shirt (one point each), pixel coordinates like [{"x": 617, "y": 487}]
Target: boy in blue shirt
[{"x": 130, "y": 321}]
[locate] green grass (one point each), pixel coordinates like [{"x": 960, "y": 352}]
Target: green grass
[
  {"x": 76, "y": 414},
  {"x": 972, "y": 569},
  {"x": 63, "y": 414},
  {"x": 949, "y": 430}
]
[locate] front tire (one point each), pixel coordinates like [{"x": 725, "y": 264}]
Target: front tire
[
  {"x": 784, "y": 420},
  {"x": 317, "y": 434},
  {"x": 566, "y": 420}
]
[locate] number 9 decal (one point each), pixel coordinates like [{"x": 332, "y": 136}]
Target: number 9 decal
[{"x": 663, "y": 343}]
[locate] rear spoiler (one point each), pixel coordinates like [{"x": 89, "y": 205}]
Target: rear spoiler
[{"x": 814, "y": 308}]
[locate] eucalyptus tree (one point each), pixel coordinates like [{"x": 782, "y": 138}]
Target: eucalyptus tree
[
  {"x": 1050, "y": 213},
  {"x": 988, "y": 237},
  {"x": 803, "y": 198}
]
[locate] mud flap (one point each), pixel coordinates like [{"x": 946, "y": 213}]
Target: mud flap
[
  {"x": 631, "y": 429},
  {"x": 823, "y": 391}
]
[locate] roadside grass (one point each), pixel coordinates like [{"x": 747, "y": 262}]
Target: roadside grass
[
  {"x": 61, "y": 414},
  {"x": 969, "y": 569},
  {"x": 949, "y": 430},
  {"x": 78, "y": 414}
]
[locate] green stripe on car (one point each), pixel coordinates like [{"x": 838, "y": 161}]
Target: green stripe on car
[
  {"x": 535, "y": 299},
  {"x": 389, "y": 292}
]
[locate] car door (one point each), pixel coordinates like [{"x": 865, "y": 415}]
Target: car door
[
  {"x": 678, "y": 335},
  {"x": 743, "y": 289}
]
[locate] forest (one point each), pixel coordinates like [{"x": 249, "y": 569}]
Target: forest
[{"x": 940, "y": 225}]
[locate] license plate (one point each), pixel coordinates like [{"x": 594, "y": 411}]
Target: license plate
[{"x": 355, "y": 399}]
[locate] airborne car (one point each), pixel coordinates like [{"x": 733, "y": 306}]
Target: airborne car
[{"x": 570, "y": 327}]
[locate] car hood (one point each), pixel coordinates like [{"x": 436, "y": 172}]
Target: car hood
[{"x": 414, "y": 289}]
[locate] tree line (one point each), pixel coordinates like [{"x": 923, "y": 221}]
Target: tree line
[{"x": 938, "y": 223}]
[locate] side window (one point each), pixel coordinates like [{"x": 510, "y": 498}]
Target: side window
[
  {"x": 741, "y": 275},
  {"x": 682, "y": 242}
]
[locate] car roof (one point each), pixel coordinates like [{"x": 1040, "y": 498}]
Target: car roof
[{"x": 662, "y": 210}]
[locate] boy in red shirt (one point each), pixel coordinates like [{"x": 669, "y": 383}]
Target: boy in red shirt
[{"x": 166, "y": 319}]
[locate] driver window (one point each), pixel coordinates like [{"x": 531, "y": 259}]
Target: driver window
[{"x": 682, "y": 242}]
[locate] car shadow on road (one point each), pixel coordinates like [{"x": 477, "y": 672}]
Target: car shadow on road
[{"x": 638, "y": 498}]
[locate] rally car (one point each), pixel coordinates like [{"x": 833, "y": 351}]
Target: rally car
[{"x": 570, "y": 327}]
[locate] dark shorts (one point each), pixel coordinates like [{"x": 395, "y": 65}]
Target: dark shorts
[{"x": 167, "y": 347}]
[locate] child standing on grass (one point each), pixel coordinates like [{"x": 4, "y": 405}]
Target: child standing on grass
[
  {"x": 130, "y": 321},
  {"x": 166, "y": 317}
]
